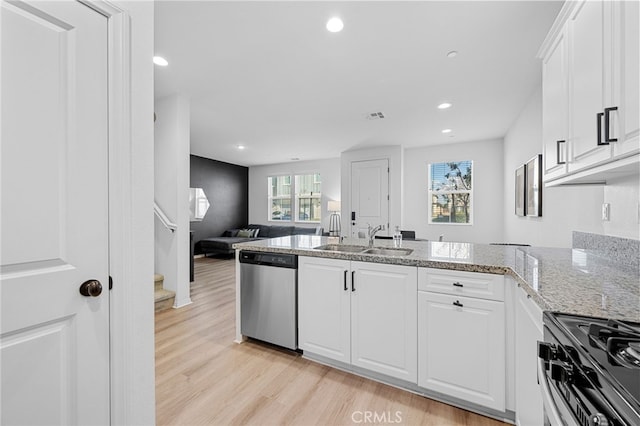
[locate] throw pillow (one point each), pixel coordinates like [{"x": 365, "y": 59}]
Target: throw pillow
[{"x": 245, "y": 233}]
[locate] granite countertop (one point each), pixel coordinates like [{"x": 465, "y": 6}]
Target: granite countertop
[{"x": 574, "y": 281}]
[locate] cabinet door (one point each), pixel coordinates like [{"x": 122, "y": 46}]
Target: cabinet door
[
  {"x": 384, "y": 319},
  {"x": 587, "y": 83},
  {"x": 627, "y": 91},
  {"x": 529, "y": 409},
  {"x": 323, "y": 307},
  {"x": 461, "y": 348},
  {"x": 555, "y": 109}
]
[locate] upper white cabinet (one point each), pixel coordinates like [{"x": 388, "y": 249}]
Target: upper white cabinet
[
  {"x": 555, "y": 106},
  {"x": 626, "y": 86},
  {"x": 590, "y": 92},
  {"x": 359, "y": 313}
]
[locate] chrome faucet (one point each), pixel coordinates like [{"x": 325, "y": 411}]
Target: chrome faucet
[
  {"x": 372, "y": 232},
  {"x": 441, "y": 238}
]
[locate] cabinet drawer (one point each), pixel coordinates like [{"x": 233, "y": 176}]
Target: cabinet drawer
[{"x": 470, "y": 284}]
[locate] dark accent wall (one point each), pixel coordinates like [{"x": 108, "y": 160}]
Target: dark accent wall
[{"x": 227, "y": 188}]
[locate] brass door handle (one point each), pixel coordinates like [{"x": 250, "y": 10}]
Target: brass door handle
[{"x": 91, "y": 288}]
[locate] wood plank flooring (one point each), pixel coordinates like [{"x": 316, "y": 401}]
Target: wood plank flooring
[{"x": 204, "y": 378}]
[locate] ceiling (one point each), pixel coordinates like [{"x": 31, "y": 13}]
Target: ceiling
[{"x": 270, "y": 77}]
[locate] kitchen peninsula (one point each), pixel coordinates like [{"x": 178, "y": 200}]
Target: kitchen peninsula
[
  {"x": 457, "y": 322},
  {"x": 568, "y": 280}
]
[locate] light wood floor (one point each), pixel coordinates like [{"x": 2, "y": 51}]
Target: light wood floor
[{"x": 203, "y": 378}]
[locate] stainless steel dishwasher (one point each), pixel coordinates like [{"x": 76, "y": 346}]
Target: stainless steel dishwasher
[{"x": 268, "y": 297}]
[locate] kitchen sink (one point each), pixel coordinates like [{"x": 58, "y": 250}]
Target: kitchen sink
[
  {"x": 388, "y": 251},
  {"x": 341, "y": 248}
]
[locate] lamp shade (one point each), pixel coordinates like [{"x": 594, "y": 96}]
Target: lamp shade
[{"x": 333, "y": 206}]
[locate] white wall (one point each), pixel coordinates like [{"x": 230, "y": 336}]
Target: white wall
[
  {"x": 395, "y": 156},
  {"x": 258, "y": 188},
  {"x": 172, "y": 148},
  {"x": 487, "y": 198},
  {"x": 564, "y": 209}
]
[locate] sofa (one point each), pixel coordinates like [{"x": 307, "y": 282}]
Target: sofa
[{"x": 224, "y": 244}]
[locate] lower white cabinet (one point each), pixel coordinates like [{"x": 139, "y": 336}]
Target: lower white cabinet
[
  {"x": 324, "y": 307},
  {"x": 461, "y": 347},
  {"x": 359, "y": 313},
  {"x": 529, "y": 330}
]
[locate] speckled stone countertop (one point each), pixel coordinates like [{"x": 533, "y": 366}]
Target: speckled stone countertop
[{"x": 565, "y": 280}]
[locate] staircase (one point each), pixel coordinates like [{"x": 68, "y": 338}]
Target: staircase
[{"x": 164, "y": 298}]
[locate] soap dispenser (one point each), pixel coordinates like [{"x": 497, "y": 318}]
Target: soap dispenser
[{"x": 397, "y": 237}]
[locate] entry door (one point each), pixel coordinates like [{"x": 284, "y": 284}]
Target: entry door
[
  {"x": 54, "y": 342},
  {"x": 369, "y": 195}
]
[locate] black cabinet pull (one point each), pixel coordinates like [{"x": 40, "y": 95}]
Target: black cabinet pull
[
  {"x": 345, "y": 280},
  {"x": 607, "y": 124},
  {"x": 599, "y": 120},
  {"x": 458, "y": 304},
  {"x": 353, "y": 280},
  {"x": 457, "y": 284},
  {"x": 558, "y": 151}
]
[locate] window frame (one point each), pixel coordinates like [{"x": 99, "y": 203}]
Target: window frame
[{"x": 432, "y": 193}]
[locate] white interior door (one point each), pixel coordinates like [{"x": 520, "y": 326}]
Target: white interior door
[
  {"x": 54, "y": 342},
  {"x": 369, "y": 195}
]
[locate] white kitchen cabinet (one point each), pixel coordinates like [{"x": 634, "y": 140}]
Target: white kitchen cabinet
[
  {"x": 589, "y": 82},
  {"x": 529, "y": 330},
  {"x": 590, "y": 92},
  {"x": 555, "y": 101},
  {"x": 461, "y": 347},
  {"x": 324, "y": 307},
  {"x": 626, "y": 81},
  {"x": 461, "y": 335},
  {"x": 384, "y": 319},
  {"x": 359, "y": 313}
]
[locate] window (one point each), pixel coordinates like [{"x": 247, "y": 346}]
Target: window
[
  {"x": 308, "y": 198},
  {"x": 280, "y": 198},
  {"x": 304, "y": 197},
  {"x": 450, "y": 192}
]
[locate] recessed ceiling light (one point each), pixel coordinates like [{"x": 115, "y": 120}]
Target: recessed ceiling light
[
  {"x": 444, "y": 105},
  {"x": 241, "y": 147},
  {"x": 335, "y": 25},
  {"x": 446, "y": 131},
  {"x": 452, "y": 54},
  {"x": 159, "y": 60}
]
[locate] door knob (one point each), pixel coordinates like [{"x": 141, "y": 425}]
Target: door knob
[{"x": 91, "y": 288}]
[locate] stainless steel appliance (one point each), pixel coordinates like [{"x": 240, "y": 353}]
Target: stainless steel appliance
[
  {"x": 268, "y": 297},
  {"x": 589, "y": 370}
]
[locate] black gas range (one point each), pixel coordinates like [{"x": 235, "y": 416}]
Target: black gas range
[{"x": 589, "y": 370}]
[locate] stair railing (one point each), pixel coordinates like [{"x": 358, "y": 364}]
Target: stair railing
[{"x": 163, "y": 218}]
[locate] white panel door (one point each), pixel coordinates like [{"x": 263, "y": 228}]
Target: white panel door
[
  {"x": 324, "y": 287},
  {"x": 369, "y": 195},
  {"x": 54, "y": 342},
  {"x": 384, "y": 319}
]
